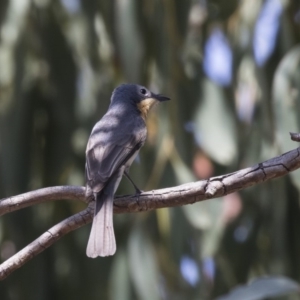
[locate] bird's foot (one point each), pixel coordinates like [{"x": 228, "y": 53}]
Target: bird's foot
[{"x": 138, "y": 191}]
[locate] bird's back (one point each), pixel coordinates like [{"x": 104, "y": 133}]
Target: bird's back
[{"x": 114, "y": 139}]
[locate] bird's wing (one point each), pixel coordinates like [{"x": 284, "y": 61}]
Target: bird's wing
[{"x": 103, "y": 159}]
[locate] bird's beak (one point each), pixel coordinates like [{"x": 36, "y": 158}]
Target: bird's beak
[{"x": 160, "y": 98}]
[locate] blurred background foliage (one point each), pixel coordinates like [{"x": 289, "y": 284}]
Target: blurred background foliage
[{"x": 232, "y": 69}]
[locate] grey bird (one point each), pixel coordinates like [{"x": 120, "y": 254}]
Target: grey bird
[{"x": 112, "y": 147}]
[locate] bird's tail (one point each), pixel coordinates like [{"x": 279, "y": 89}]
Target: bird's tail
[{"x": 102, "y": 240}]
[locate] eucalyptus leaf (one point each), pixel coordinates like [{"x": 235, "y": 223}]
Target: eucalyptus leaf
[
  {"x": 120, "y": 283},
  {"x": 262, "y": 288},
  {"x": 215, "y": 128},
  {"x": 206, "y": 216},
  {"x": 129, "y": 38},
  {"x": 143, "y": 265},
  {"x": 286, "y": 103}
]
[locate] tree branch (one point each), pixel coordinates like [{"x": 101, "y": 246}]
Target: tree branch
[
  {"x": 168, "y": 197},
  {"x": 11, "y": 204},
  {"x": 45, "y": 240}
]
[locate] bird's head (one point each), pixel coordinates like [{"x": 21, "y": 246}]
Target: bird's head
[{"x": 137, "y": 95}]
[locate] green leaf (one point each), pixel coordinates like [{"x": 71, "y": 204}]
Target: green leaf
[
  {"x": 286, "y": 106},
  {"x": 206, "y": 216},
  {"x": 143, "y": 265},
  {"x": 262, "y": 288},
  {"x": 120, "y": 283},
  {"x": 215, "y": 125}
]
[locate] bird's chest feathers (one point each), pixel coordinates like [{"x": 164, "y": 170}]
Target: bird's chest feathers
[{"x": 145, "y": 105}]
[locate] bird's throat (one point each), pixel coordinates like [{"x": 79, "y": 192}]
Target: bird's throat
[{"x": 145, "y": 106}]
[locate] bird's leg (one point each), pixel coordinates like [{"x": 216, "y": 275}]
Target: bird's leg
[{"x": 137, "y": 190}]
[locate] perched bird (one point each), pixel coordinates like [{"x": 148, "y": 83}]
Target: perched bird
[{"x": 113, "y": 145}]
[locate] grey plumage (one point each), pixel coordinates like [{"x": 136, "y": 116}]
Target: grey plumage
[{"x": 113, "y": 144}]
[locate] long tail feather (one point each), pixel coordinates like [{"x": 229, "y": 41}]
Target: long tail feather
[{"x": 102, "y": 240}]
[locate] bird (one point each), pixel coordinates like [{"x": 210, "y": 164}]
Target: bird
[{"x": 114, "y": 143}]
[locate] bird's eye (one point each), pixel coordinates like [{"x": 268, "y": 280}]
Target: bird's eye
[{"x": 143, "y": 91}]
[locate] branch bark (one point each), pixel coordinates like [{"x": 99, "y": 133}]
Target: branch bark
[
  {"x": 11, "y": 204},
  {"x": 169, "y": 197}
]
